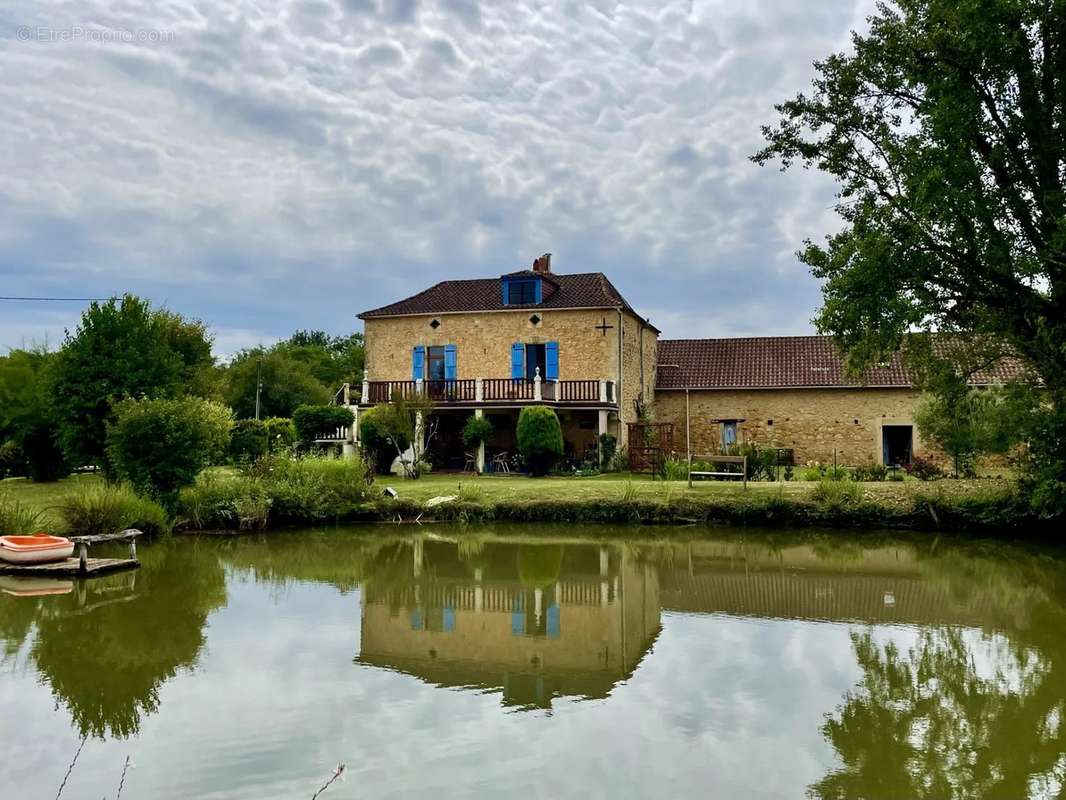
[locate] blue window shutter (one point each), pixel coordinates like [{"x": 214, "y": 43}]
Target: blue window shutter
[
  {"x": 551, "y": 361},
  {"x": 449, "y": 362},
  {"x": 518, "y": 360},
  {"x": 538, "y": 291},
  {"x": 418, "y": 362},
  {"x": 503, "y": 286}
]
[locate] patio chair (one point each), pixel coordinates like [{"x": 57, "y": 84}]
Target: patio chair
[
  {"x": 500, "y": 463},
  {"x": 470, "y": 464}
]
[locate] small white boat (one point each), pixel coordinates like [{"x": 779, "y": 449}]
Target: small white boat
[{"x": 38, "y": 549}]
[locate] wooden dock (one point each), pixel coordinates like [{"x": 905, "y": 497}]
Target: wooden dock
[
  {"x": 70, "y": 568},
  {"x": 81, "y": 566}
]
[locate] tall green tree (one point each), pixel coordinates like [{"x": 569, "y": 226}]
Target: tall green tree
[
  {"x": 25, "y": 418},
  {"x": 333, "y": 360},
  {"x": 286, "y": 384},
  {"x": 945, "y": 128},
  {"x": 120, "y": 349}
]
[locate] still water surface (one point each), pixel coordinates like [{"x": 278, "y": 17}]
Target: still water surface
[{"x": 500, "y": 662}]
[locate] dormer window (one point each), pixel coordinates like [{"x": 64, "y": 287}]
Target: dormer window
[{"x": 521, "y": 291}]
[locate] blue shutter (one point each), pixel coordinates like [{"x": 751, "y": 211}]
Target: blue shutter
[
  {"x": 418, "y": 362},
  {"x": 551, "y": 361},
  {"x": 538, "y": 291},
  {"x": 449, "y": 362},
  {"x": 518, "y": 360},
  {"x": 503, "y": 286}
]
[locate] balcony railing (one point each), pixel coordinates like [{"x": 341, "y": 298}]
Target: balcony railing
[{"x": 488, "y": 390}]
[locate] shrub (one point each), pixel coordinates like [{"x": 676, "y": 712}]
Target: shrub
[
  {"x": 1044, "y": 465},
  {"x": 225, "y": 501},
  {"x": 475, "y": 431},
  {"x": 250, "y": 440},
  {"x": 313, "y": 421},
  {"x": 281, "y": 434},
  {"x": 374, "y": 441},
  {"x": 311, "y": 489},
  {"x": 924, "y": 469},
  {"x": 870, "y": 472},
  {"x": 540, "y": 438},
  {"x": 12, "y": 459},
  {"x": 674, "y": 469},
  {"x": 44, "y": 458},
  {"x": 18, "y": 519},
  {"x": 836, "y": 494},
  {"x": 99, "y": 510},
  {"x": 160, "y": 445},
  {"x": 895, "y": 476},
  {"x": 608, "y": 448},
  {"x": 812, "y": 471}
]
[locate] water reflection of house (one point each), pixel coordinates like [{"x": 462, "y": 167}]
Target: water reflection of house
[
  {"x": 536, "y": 621},
  {"x": 875, "y": 585}
]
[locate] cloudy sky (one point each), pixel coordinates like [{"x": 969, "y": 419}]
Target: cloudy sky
[{"x": 268, "y": 167}]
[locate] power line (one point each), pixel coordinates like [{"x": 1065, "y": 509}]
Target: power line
[{"x": 61, "y": 299}]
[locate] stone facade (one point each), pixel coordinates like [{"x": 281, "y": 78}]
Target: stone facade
[
  {"x": 813, "y": 422},
  {"x": 623, "y": 353}
]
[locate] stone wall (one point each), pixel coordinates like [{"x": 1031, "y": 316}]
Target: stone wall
[
  {"x": 814, "y": 422},
  {"x": 639, "y": 348},
  {"x": 483, "y": 346},
  {"x": 483, "y": 342}
]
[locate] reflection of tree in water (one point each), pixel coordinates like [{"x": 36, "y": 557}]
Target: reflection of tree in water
[
  {"x": 956, "y": 716},
  {"x": 106, "y": 661},
  {"x": 17, "y": 615}
]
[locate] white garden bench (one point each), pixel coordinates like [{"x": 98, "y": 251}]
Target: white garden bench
[{"x": 742, "y": 460}]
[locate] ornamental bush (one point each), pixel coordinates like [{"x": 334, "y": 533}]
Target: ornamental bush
[
  {"x": 249, "y": 441},
  {"x": 281, "y": 434},
  {"x": 475, "y": 431},
  {"x": 313, "y": 421},
  {"x": 540, "y": 439},
  {"x": 160, "y": 445}
]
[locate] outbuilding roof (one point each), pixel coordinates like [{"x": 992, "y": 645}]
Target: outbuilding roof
[{"x": 783, "y": 362}]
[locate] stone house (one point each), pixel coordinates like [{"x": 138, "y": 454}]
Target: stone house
[{"x": 492, "y": 346}]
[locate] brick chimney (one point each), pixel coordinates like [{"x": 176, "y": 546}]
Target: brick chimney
[{"x": 543, "y": 265}]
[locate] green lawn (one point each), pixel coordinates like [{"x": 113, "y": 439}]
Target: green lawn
[{"x": 44, "y": 497}]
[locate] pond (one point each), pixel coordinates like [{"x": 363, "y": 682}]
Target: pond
[{"x": 478, "y": 662}]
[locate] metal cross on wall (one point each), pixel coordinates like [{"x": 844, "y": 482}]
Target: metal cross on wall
[{"x": 603, "y": 327}]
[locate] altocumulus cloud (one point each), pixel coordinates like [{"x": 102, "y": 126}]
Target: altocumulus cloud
[{"x": 267, "y": 168}]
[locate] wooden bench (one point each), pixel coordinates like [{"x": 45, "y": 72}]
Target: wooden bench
[{"x": 742, "y": 460}]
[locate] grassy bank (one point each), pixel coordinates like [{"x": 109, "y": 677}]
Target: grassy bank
[
  {"x": 986, "y": 505},
  {"x": 967, "y": 506}
]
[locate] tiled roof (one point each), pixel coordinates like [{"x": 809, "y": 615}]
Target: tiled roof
[
  {"x": 781, "y": 362},
  {"x": 581, "y": 290}
]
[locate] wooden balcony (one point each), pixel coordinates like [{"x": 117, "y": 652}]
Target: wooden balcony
[{"x": 487, "y": 392}]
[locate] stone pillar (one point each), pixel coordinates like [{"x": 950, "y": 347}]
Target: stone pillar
[
  {"x": 603, "y": 391},
  {"x": 479, "y": 390},
  {"x": 366, "y": 387},
  {"x": 479, "y": 413},
  {"x": 538, "y": 605},
  {"x": 536, "y": 385}
]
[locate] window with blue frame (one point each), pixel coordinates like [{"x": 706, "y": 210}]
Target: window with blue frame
[
  {"x": 525, "y": 291},
  {"x": 521, "y": 292}
]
